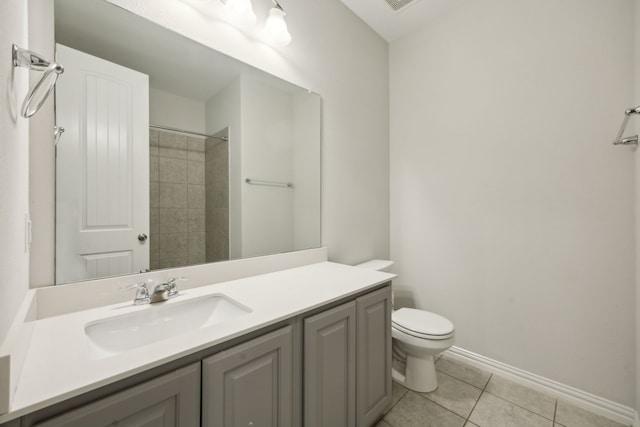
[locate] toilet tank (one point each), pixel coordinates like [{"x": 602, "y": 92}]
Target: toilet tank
[{"x": 377, "y": 264}]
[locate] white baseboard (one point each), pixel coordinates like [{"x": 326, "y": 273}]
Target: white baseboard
[{"x": 607, "y": 408}]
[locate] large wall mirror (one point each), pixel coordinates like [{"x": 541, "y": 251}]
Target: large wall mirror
[{"x": 174, "y": 154}]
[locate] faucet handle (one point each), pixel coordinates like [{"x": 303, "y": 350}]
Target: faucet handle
[
  {"x": 142, "y": 294},
  {"x": 173, "y": 288}
]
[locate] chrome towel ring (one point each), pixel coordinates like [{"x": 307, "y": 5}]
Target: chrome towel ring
[
  {"x": 630, "y": 140},
  {"x": 39, "y": 92}
]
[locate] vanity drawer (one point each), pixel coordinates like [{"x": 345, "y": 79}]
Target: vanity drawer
[{"x": 170, "y": 400}]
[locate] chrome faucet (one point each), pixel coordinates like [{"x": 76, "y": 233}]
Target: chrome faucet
[
  {"x": 166, "y": 290},
  {"x": 142, "y": 296},
  {"x": 161, "y": 292}
]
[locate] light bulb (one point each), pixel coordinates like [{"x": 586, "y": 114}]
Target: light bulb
[
  {"x": 241, "y": 11},
  {"x": 275, "y": 29}
]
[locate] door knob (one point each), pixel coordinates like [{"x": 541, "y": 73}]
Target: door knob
[{"x": 142, "y": 237}]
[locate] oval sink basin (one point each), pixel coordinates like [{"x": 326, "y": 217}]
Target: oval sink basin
[{"x": 158, "y": 322}]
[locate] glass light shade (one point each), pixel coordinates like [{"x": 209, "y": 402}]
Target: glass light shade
[
  {"x": 242, "y": 11},
  {"x": 275, "y": 29}
]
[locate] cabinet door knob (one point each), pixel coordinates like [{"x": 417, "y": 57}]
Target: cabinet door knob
[{"x": 142, "y": 237}]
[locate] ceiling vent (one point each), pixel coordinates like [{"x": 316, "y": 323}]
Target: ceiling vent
[{"x": 398, "y": 4}]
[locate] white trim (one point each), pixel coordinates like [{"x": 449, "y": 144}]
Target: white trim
[
  {"x": 593, "y": 403},
  {"x": 13, "y": 351}
]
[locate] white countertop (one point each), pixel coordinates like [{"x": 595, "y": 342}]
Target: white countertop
[{"x": 59, "y": 364}]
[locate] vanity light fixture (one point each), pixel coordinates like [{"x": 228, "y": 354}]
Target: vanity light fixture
[
  {"x": 241, "y": 10},
  {"x": 41, "y": 89},
  {"x": 275, "y": 29}
]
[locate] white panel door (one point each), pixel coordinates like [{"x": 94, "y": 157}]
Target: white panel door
[{"x": 102, "y": 168}]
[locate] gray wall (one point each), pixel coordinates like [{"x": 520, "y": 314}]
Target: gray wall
[
  {"x": 14, "y": 165},
  {"x": 512, "y": 213}
]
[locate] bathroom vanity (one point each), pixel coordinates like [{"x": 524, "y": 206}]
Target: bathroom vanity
[
  {"x": 312, "y": 349},
  {"x": 272, "y": 336}
]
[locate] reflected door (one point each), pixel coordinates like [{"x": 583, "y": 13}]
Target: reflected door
[{"x": 102, "y": 168}]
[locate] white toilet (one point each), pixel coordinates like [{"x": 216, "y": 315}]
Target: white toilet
[{"x": 418, "y": 335}]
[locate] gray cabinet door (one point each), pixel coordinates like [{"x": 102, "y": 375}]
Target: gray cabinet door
[
  {"x": 329, "y": 368},
  {"x": 374, "y": 356},
  {"x": 170, "y": 400},
  {"x": 250, "y": 384}
]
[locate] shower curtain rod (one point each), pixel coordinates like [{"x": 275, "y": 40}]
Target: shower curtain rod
[{"x": 188, "y": 132}]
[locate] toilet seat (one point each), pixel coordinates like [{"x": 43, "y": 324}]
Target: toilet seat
[{"x": 422, "y": 324}]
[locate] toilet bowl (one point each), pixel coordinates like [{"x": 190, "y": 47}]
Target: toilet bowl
[{"x": 418, "y": 335}]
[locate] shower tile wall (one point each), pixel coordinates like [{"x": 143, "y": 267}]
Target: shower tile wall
[
  {"x": 217, "y": 201},
  {"x": 177, "y": 199}
]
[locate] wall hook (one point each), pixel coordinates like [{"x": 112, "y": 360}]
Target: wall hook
[{"x": 57, "y": 133}]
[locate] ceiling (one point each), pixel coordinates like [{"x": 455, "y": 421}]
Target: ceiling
[{"x": 391, "y": 24}]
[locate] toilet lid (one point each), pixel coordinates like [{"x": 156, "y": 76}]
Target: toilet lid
[{"x": 422, "y": 324}]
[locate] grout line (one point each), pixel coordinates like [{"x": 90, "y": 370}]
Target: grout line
[
  {"x": 476, "y": 404},
  {"x": 458, "y": 379},
  {"x": 466, "y": 382},
  {"x": 555, "y": 411},
  {"x": 437, "y": 404},
  {"x": 524, "y": 407},
  {"x": 406, "y": 390},
  {"x": 425, "y": 395},
  {"x": 464, "y": 364}
]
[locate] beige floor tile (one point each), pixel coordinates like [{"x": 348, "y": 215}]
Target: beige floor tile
[
  {"x": 462, "y": 371},
  {"x": 470, "y": 424},
  {"x": 533, "y": 400},
  {"x": 569, "y": 415},
  {"x": 383, "y": 423},
  {"x": 455, "y": 395},
  {"x": 414, "y": 410},
  {"x": 491, "y": 411},
  {"x": 397, "y": 392}
]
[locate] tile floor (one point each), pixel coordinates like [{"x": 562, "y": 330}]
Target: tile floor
[{"x": 470, "y": 397}]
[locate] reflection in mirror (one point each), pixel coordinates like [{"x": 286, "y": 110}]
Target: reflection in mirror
[{"x": 174, "y": 154}]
